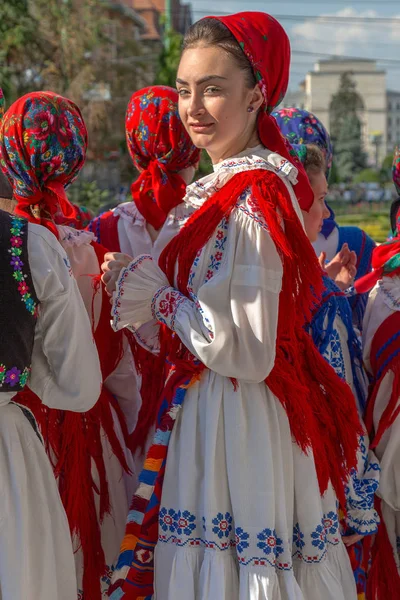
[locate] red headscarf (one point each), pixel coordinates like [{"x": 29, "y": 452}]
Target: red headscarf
[
  {"x": 43, "y": 143},
  {"x": 160, "y": 147},
  {"x": 259, "y": 34}
]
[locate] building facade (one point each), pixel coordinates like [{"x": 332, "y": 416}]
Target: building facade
[
  {"x": 393, "y": 120},
  {"x": 321, "y": 84}
]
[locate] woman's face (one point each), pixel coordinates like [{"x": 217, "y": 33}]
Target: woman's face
[
  {"x": 214, "y": 102},
  {"x": 314, "y": 218}
]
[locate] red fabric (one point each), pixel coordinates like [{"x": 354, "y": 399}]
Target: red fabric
[
  {"x": 382, "y": 264},
  {"x": 105, "y": 228},
  {"x": 385, "y": 356},
  {"x": 383, "y": 581},
  {"x": 267, "y": 47},
  {"x": 160, "y": 147},
  {"x": 43, "y": 143},
  {"x": 383, "y": 578},
  {"x": 319, "y": 405}
]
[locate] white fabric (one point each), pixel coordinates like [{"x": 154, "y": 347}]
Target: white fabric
[
  {"x": 383, "y": 301},
  {"x": 84, "y": 265},
  {"x": 241, "y": 514},
  {"x": 328, "y": 245},
  {"x": 36, "y": 558}
]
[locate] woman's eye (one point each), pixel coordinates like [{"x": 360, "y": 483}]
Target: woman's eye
[
  {"x": 212, "y": 90},
  {"x": 183, "y": 92}
]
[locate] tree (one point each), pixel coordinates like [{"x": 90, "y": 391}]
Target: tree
[
  {"x": 350, "y": 156},
  {"x": 346, "y": 130},
  {"x": 169, "y": 59}
]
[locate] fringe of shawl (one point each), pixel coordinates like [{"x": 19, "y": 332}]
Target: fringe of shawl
[{"x": 320, "y": 407}]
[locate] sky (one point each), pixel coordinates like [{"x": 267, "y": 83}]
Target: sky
[{"x": 314, "y": 38}]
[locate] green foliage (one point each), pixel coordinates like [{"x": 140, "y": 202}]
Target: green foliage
[
  {"x": 169, "y": 59},
  {"x": 205, "y": 166},
  {"x": 375, "y": 224},
  {"x": 367, "y": 176},
  {"x": 89, "y": 195},
  {"x": 346, "y": 132}
]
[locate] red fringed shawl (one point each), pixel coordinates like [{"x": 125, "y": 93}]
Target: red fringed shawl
[{"x": 319, "y": 405}]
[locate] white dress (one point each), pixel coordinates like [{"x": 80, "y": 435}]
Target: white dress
[
  {"x": 36, "y": 557},
  {"x": 384, "y": 300},
  {"x": 241, "y": 516},
  {"x": 84, "y": 264}
]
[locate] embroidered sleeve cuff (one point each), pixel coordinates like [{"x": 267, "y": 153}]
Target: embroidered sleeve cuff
[
  {"x": 135, "y": 288},
  {"x": 165, "y": 304},
  {"x": 363, "y": 522}
]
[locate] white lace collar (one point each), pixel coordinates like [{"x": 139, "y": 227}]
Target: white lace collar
[
  {"x": 252, "y": 158},
  {"x": 390, "y": 287},
  {"x": 129, "y": 212},
  {"x": 70, "y": 237}
]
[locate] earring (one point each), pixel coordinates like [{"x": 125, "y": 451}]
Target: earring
[{"x": 250, "y": 109}]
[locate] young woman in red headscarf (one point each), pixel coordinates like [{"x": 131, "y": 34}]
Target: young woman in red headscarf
[
  {"x": 43, "y": 146},
  {"x": 256, "y": 434},
  {"x": 163, "y": 153}
]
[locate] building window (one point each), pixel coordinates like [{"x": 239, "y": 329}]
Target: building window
[
  {"x": 398, "y": 106},
  {"x": 398, "y": 120},
  {"x": 389, "y": 106},
  {"x": 389, "y": 136},
  {"x": 389, "y": 121}
]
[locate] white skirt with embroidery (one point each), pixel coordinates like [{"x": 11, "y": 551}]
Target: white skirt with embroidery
[{"x": 241, "y": 514}]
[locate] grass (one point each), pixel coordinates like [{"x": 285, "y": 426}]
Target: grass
[{"x": 373, "y": 220}]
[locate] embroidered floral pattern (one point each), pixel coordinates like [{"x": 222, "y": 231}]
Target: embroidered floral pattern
[
  {"x": 181, "y": 522},
  {"x": 241, "y": 538},
  {"x": 265, "y": 548},
  {"x": 298, "y": 537},
  {"x": 319, "y": 537},
  {"x": 165, "y": 304},
  {"x": 17, "y": 229},
  {"x": 218, "y": 250},
  {"x": 13, "y": 376},
  {"x": 222, "y": 525},
  {"x": 331, "y": 523},
  {"x": 269, "y": 543}
]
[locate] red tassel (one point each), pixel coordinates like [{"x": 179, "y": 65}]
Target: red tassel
[
  {"x": 383, "y": 579},
  {"x": 320, "y": 407}
]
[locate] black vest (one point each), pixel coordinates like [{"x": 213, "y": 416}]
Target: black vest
[{"x": 18, "y": 304}]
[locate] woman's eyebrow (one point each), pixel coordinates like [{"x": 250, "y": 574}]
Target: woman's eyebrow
[{"x": 200, "y": 81}]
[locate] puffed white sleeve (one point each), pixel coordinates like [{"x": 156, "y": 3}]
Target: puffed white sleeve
[
  {"x": 231, "y": 324},
  {"x": 65, "y": 365}
]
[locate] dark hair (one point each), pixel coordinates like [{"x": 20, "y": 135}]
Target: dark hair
[
  {"x": 314, "y": 162},
  {"x": 211, "y": 32},
  {"x": 5, "y": 187},
  {"x": 393, "y": 213}
]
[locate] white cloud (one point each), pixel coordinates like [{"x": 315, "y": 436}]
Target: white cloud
[{"x": 365, "y": 40}]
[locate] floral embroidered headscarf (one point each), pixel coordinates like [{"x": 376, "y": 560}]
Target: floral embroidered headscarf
[
  {"x": 259, "y": 34},
  {"x": 301, "y": 128},
  {"x": 159, "y": 147},
  {"x": 43, "y": 142}
]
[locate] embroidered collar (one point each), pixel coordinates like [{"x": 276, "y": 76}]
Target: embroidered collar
[
  {"x": 129, "y": 212},
  {"x": 73, "y": 237},
  {"x": 251, "y": 159},
  {"x": 390, "y": 287}
]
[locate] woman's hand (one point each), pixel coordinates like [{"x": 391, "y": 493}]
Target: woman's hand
[
  {"x": 112, "y": 266},
  {"x": 349, "y": 540},
  {"x": 342, "y": 268}
]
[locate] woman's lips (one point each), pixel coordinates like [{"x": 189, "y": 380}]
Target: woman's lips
[{"x": 200, "y": 127}]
